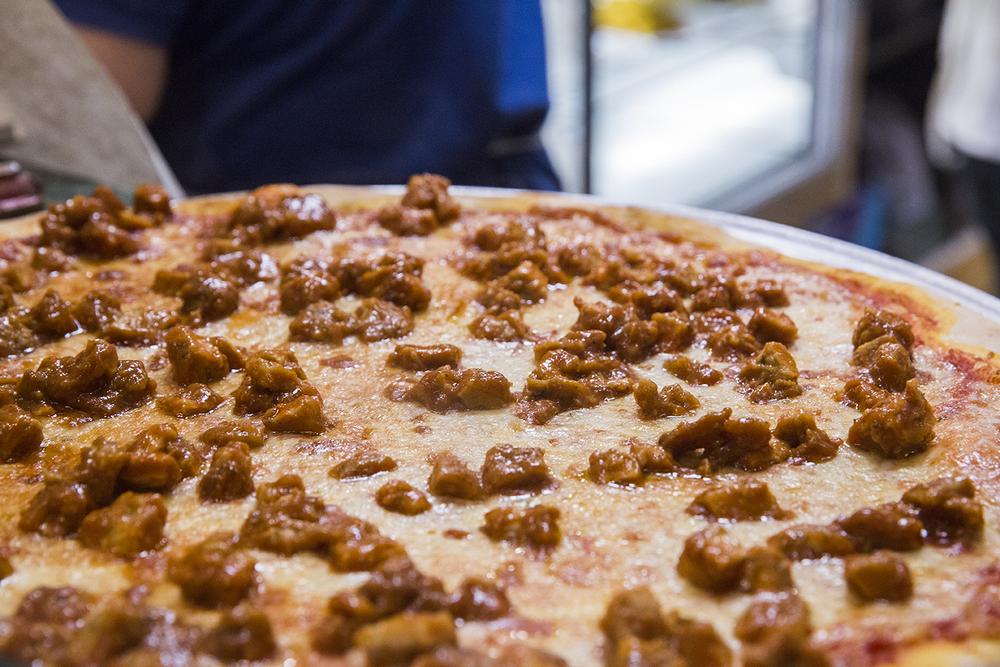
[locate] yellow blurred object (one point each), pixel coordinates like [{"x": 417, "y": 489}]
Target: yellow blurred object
[{"x": 649, "y": 16}]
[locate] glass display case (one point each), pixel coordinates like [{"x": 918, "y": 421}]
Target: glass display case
[{"x": 739, "y": 106}]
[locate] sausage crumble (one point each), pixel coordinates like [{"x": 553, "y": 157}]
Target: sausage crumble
[
  {"x": 275, "y": 387},
  {"x": 897, "y": 426},
  {"x": 214, "y": 572},
  {"x": 882, "y": 575},
  {"x": 771, "y": 375},
  {"x": 536, "y": 526},
  {"x": 670, "y": 401},
  {"x": 744, "y": 500},
  {"x": 94, "y": 382},
  {"x": 637, "y": 632}
]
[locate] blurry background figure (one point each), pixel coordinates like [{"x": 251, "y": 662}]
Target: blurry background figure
[
  {"x": 243, "y": 92},
  {"x": 964, "y": 115}
]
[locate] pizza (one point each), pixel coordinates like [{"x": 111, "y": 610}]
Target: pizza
[{"x": 351, "y": 426}]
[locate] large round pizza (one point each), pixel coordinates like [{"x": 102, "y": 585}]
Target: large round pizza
[{"x": 339, "y": 426}]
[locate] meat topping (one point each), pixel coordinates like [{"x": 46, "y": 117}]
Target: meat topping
[
  {"x": 765, "y": 569},
  {"x": 711, "y": 561},
  {"x": 15, "y": 334},
  {"x": 152, "y": 200},
  {"x": 498, "y": 299},
  {"x": 728, "y": 338},
  {"x": 673, "y": 331},
  {"x": 397, "y": 587},
  {"x": 652, "y": 458},
  {"x": 43, "y": 624},
  {"x": 615, "y": 466},
  {"x": 536, "y": 526},
  {"x": 194, "y": 399},
  {"x": 745, "y": 500},
  {"x": 882, "y": 575},
  {"x": 808, "y": 442},
  {"x": 52, "y": 316},
  {"x": 306, "y": 281},
  {"x": 771, "y": 326},
  {"x": 20, "y": 434},
  {"x": 96, "y": 310},
  {"x": 506, "y": 247},
  {"x": 377, "y": 319},
  {"x": 806, "y": 542},
  {"x": 204, "y": 291},
  {"x": 425, "y": 206},
  {"x": 525, "y": 282},
  {"x": 536, "y": 411},
  {"x": 243, "y": 633},
  {"x": 404, "y": 221},
  {"x": 194, "y": 358},
  {"x": 286, "y": 520},
  {"x": 239, "y": 265},
  {"x": 775, "y": 629},
  {"x": 275, "y": 387},
  {"x": 214, "y": 572},
  {"x": 897, "y": 426},
  {"x": 322, "y": 322},
  {"x": 670, "y": 401},
  {"x": 626, "y": 335},
  {"x": 17, "y": 278},
  {"x": 57, "y": 509},
  {"x": 94, "y": 382},
  {"x": 230, "y": 475},
  {"x": 363, "y": 463},
  {"x": 716, "y": 440},
  {"x": 647, "y": 299},
  {"x": 98, "y": 226},
  {"x": 764, "y": 292},
  {"x": 877, "y": 323},
  {"x": 138, "y": 329},
  {"x": 401, "y": 638},
  {"x": 575, "y": 372},
  {"x": 452, "y": 478},
  {"x": 503, "y": 327},
  {"x": 50, "y": 260},
  {"x": 771, "y": 375},
  {"x": 133, "y": 523},
  {"x": 234, "y": 431},
  {"x": 275, "y": 213},
  {"x": 446, "y": 390},
  {"x": 690, "y": 371},
  {"x": 887, "y": 362},
  {"x": 402, "y": 498},
  {"x": 424, "y": 357},
  {"x": 860, "y": 394},
  {"x": 948, "y": 509},
  {"x": 637, "y": 632},
  {"x": 509, "y": 469},
  {"x": 430, "y": 191},
  {"x": 477, "y": 599},
  {"x": 155, "y": 460},
  {"x": 888, "y": 526}
]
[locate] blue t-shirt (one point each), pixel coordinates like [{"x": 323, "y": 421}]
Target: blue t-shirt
[{"x": 342, "y": 91}]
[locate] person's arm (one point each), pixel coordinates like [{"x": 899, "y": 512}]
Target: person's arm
[{"x": 138, "y": 67}]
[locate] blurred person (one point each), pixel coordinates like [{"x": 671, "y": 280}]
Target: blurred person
[
  {"x": 243, "y": 92},
  {"x": 964, "y": 115}
]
